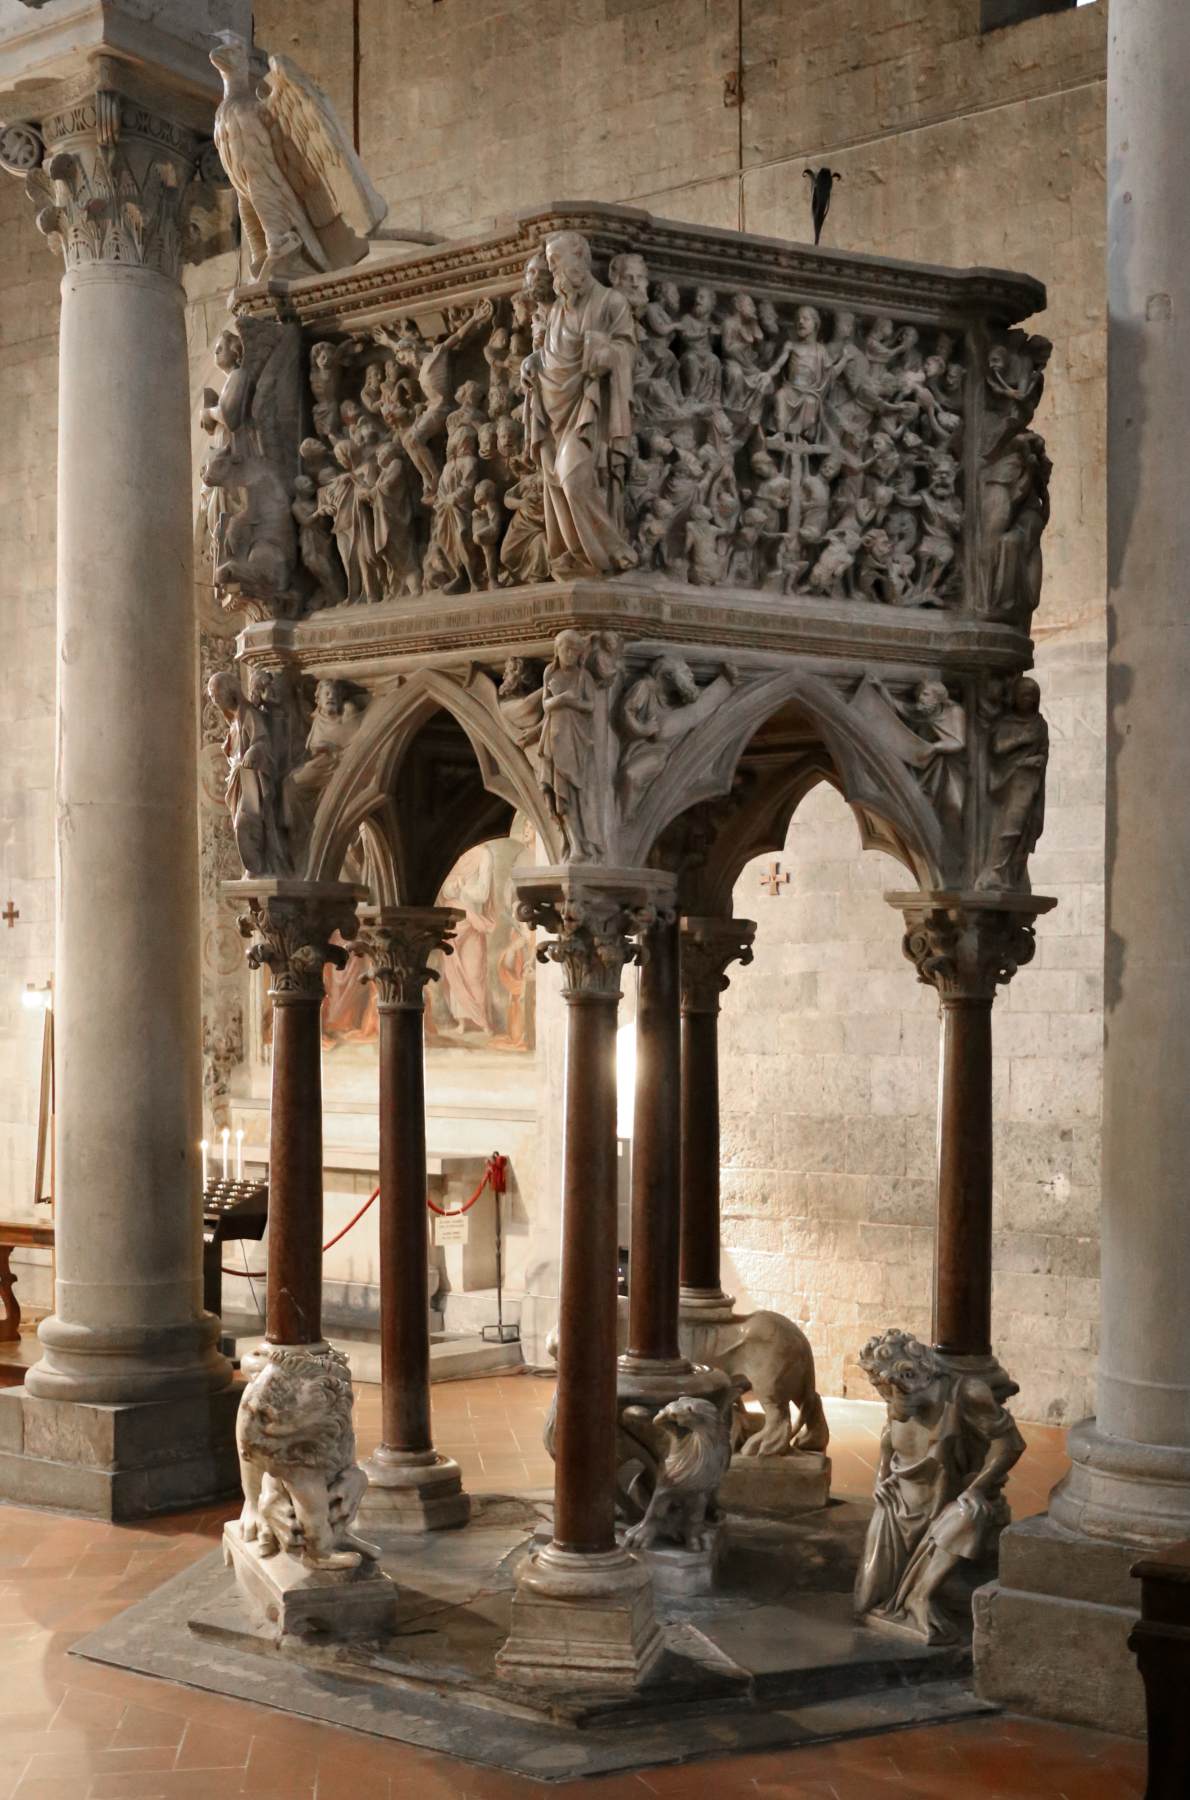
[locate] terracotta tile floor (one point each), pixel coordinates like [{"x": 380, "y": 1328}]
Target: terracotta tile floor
[{"x": 71, "y": 1730}]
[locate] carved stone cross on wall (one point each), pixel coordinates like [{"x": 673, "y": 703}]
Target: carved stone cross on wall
[
  {"x": 773, "y": 880},
  {"x": 10, "y": 915}
]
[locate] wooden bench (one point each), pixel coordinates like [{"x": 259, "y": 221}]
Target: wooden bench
[{"x": 14, "y": 1236}]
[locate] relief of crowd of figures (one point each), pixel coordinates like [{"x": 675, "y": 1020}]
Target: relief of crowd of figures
[{"x": 783, "y": 450}]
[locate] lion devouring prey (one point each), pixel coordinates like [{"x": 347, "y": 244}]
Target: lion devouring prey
[
  {"x": 683, "y": 1501},
  {"x": 302, "y": 1485}
]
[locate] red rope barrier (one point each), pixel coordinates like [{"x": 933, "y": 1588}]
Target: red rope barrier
[{"x": 495, "y": 1176}]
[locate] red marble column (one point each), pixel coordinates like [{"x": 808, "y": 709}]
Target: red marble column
[
  {"x": 413, "y": 1487},
  {"x": 708, "y": 946},
  {"x": 293, "y": 922},
  {"x": 965, "y": 946}
]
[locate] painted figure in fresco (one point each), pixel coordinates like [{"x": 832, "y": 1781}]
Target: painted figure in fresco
[{"x": 471, "y": 887}]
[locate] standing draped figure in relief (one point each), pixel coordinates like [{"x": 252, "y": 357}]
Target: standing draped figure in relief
[
  {"x": 571, "y": 749},
  {"x": 1014, "y": 474},
  {"x": 252, "y": 780},
  {"x": 578, "y": 411},
  {"x": 305, "y": 200},
  {"x": 1018, "y": 750},
  {"x": 945, "y": 1453}
]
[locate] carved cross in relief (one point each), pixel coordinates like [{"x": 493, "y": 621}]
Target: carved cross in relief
[{"x": 773, "y": 880}]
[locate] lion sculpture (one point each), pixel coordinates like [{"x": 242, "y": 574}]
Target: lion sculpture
[
  {"x": 682, "y": 1504},
  {"x": 775, "y": 1356},
  {"x": 302, "y": 1484}
]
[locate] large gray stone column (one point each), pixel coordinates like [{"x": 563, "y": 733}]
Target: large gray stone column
[
  {"x": 1055, "y": 1627},
  {"x": 129, "y": 1409}
]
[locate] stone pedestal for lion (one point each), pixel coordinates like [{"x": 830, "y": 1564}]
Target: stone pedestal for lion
[
  {"x": 298, "y": 1564},
  {"x": 780, "y": 1466}
]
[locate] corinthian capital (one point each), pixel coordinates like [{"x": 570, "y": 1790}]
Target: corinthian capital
[
  {"x": 600, "y": 917},
  {"x": 708, "y": 947},
  {"x": 115, "y": 184},
  {"x": 397, "y": 942},
  {"x": 291, "y": 924},
  {"x": 967, "y": 945}
]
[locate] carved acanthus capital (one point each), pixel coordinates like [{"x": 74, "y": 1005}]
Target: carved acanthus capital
[
  {"x": 116, "y": 182},
  {"x": 967, "y": 945},
  {"x": 600, "y": 917},
  {"x": 292, "y": 923},
  {"x": 708, "y": 947},
  {"x": 398, "y": 942}
]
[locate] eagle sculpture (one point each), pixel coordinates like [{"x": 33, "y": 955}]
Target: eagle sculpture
[{"x": 306, "y": 203}]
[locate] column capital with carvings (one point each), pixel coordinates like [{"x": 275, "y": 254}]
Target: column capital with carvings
[
  {"x": 291, "y": 923},
  {"x": 709, "y": 945},
  {"x": 397, "y": 942},
  {"x": 107, "y": 115},
  {"x": 601, "y": 917},
  {"x": 967, "y": 944}
]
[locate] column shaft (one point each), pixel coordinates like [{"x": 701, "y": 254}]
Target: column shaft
[
  {"x": 404, "y": 1239},
  {"x": 963, "y": 1240},
  {"x": 294, "y": 1292},
  {"x": 656, "y": 1147},
  {"x": 585, "y": 1420},
  {"x": 700, "y": 1152},
  {"x": 128, "y": 1322}
]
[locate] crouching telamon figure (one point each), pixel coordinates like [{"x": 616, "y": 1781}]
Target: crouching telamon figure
[{"x": 945, "y": 1454}]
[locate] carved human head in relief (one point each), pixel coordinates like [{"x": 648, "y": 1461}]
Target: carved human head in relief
[
  {"x": 807, "y": 324},
  {"x": 1026, "y": 696},
  {"x": 329, "y": 697},
  {"x": 569, "y": 257},
  {"x": 770, "y": 324},
  {"x": 901, "y": 1369},
  {"x": 224, "y": 691},
  {"x": 673, "y": 674},
  {"x": 704, "y": 302},
  {"x": 538, "y": 282},
  {"x": 229, "y": 350},
  {"x": 569, "y": 649},
  {"x": 667, "y": 293},
  {"x": 630, "y": 274},
  {"x": 929, "y": 697}
]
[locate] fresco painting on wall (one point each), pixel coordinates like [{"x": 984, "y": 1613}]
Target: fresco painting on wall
[{"x": 483, "y": 999}]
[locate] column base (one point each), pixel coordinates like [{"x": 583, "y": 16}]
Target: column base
[
  {"x": 641, "y": 1381},
  {"x": 414, "y": 1491},
  {"x": 986, "y": 1368},
  {"x": 1051, "y": 1632},
  {"x": 295, "y": 1600},
  {"x": 581, "y": 1621},
  {"x": 1115, "y": 1488},
  {"x": 118, "y": 1463},
  {"x": 780, "y": 1485},
  {"x": 698, "y": 1306},
  {"x": 685, "y": 1574},
  {"x": 126, "y": 1365}
]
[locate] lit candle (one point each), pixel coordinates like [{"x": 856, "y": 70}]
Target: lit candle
[
  {"x": 206, "y": 1165},
  {"x": 240, "y": 1155},
  {"x": 226, "y": 1140}
]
